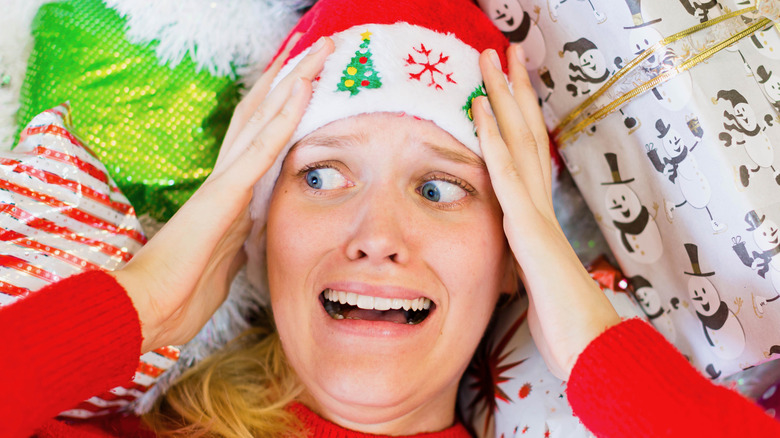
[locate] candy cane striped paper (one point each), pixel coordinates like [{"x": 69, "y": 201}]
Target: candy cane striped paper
[{"x": 62, "y": 214}]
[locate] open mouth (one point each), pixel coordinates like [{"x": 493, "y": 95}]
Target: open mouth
[{"x": 348, "y": 305}]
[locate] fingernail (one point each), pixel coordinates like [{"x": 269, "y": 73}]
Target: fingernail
[
  {"x": 495, "y": 59},
  {"x": 318, "y": 45},
  {"x": 296, "y": 87},
  {"x": 487, "y": 107},
  {"x": 519, "y": 52}
]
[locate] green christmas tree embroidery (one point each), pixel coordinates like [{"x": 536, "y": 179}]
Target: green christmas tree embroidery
[
  {"x": 479, "y": 91},
  {"x": 360, "y": 72}
]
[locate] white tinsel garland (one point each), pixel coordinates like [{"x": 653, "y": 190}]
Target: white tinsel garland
[
  {"x": 15, "y": 46},
  {"x": 220, "y": 36}
]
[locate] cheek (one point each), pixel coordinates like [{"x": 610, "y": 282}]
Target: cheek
[
  {"x": 474, "y": 266},
  {"x": 294, "y": 247}
]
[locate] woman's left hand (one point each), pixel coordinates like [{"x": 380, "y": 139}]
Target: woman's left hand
[{"x": 567, "y": 310}]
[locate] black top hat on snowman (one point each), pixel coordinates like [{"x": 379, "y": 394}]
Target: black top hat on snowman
[
  {"x": 639, "y": 282},
  {"x": 635, "y": 7},
  {"x": 662, "y": 128},
  {"x": 763, "y": 75},
  {"x": 613, "y": 167},
  {"x": 693, "y": 255},
  {"x": 753, "y": 220}
]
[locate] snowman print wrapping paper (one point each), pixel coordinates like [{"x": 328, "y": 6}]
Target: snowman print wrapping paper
[{"x": 680, "y": 166}]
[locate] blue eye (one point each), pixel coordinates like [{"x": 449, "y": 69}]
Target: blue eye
[
  {"x": 441, "y": 191},
  {"x": 325, "y": 178}
]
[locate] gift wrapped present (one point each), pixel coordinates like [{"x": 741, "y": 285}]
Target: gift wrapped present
[
  {"x": 508, "y": 390},
  {"x": 61, "y": 214},
  {"x": 666, "y": 114}
]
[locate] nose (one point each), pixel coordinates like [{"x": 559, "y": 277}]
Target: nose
[{"x": 378, "y": 235}]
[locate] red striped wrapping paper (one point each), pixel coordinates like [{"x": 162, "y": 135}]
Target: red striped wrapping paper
[{"x": 62, "y": 214}]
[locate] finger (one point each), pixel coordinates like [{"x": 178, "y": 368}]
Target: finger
[
  {"x": 527, "y": 100},
  {"x": 261, "y": 153},
  {"x": 518, "y": 138},
  {"x": 504, "y": 175},
  {"x": 257, "y": 93},
  {"x": 309, "y": 67}
]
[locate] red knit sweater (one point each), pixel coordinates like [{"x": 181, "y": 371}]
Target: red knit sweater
[{"x": 81, "y": 336}]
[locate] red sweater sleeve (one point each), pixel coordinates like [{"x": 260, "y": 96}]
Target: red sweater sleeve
[
  {"x": 631, "y": 382},
  {"x": 63, "y": 344}
]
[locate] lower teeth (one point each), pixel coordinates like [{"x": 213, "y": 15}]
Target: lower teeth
[{"x": 338, "y": 311}]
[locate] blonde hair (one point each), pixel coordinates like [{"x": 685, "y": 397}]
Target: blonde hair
[{"x": 242, "y": 391}]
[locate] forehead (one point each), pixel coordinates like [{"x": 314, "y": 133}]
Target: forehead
[{"x": 393, "y": 130}]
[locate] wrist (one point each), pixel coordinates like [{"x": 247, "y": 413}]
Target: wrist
[{"x": 141, "y": 303}]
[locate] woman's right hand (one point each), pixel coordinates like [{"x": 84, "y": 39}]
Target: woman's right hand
[
  {"x": 567, "y": 310},
  {"x": 179, "y": 279}
]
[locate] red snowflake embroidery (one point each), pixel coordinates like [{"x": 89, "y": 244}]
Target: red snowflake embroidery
[{"x": 432, "y": 68}]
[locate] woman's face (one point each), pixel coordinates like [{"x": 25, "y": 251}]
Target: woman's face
[{"x": 372, "y": 218}]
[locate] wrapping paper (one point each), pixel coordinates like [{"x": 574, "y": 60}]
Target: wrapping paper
[
  {"x": 157, "y": 128},
  {"x": 61, "y": 214},
  {"x": 677, "y": 158},
  {"x": 770, "y": 400},
  {"x": 508, "y": 390}
]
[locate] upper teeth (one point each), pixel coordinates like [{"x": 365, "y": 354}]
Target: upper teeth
[{"x": 376, "y": 303}]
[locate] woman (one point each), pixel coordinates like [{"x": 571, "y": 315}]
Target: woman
[{"x": 388, "y": 232}]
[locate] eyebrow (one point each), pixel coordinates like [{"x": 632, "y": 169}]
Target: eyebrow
[
  {"x": 333, "y": 141},
  {"x": 340, "y": 141},
  {"x": 470, "y": 159}
]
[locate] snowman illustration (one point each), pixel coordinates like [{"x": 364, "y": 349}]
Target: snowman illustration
[
  {"x": 771, "y": 85},
  {"x": 722, "y": 329},
  {"x": 767, "y": 41},
  {"x": 767, "y": 237},
  {"x": 591, "y": 70},
  {"x": 743, "y": 128},
  {"x": 554, "y": 5},
  {"x": 699, "y": 8},
  {"x": 518, "y": 26},
  {"x": 651, "y": 305},
  {"x": 682, "y": 170},
  {"x": 673, "y": 94},
  {"x": 636, "y": 228}
]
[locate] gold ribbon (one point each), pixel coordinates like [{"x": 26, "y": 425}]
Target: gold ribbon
[{"x": 576, "y": 121}]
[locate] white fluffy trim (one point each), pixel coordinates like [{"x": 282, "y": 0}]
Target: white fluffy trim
[
  {"x": 15, "y": 45},
  {"x": 220, "y": 36}
]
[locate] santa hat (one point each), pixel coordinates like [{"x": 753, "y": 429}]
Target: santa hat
[
  {"x": 732, "y": 96},
  {"x": 579, "y": 47},
  {"x": 419, "y": 58}
]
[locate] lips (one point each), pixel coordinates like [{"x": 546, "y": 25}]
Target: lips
[{"x": 342, "y": 305}]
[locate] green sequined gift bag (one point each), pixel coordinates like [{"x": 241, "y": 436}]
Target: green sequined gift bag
[{"x": 157, "y": 129}]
